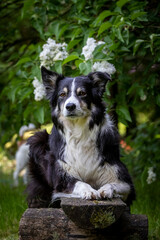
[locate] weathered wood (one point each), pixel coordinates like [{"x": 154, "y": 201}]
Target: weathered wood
[
  {"x": 93, "y": 214},
  {"x": 53, "y": 223}
]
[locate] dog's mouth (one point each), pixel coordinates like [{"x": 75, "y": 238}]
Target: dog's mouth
[{"x": 73, "y": 115}]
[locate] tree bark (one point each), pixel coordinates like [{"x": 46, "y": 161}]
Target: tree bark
[{"x": 54, "y": 224}]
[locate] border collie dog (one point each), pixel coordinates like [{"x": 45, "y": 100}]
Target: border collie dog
[{"x": 81, "y": 156}]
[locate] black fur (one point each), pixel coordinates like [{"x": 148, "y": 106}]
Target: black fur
[{"x": 46, "y": 174}]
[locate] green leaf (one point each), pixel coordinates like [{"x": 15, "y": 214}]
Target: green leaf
[
  {"x": 26, "y": 8},
  {"x": 80, "y": 5},
  {"x": 119, "y": 35},
  {"x": 137, "y": 15},
  {"x": 114, "y": 46},
  {"x": 77, "y": 62},
  {"x": 58, "y": 67},
  {"x": 153, "y": 38},
  {"x": 126, "y": 35},
  {"x": 70, "y": 58},
  {"x": 36, "y": 72},
  {"x": 121, "y": 3},
  {"x": 91, "y": 32},
  {"x": 98, "y": 52},
  {"x": 12, "y": 92},
  {"x": 62, "y": 30},
  {"x": 39, "y": 114},
  {"x": 124, "y": 49},
  {"x": 76, "y": 33},
  {"x": 85, "y": 67},
  {"x": 26, "y": 94},
  {"x": 73, "y": 43},
  {"x": 23, "y": 60},
  {"x": 137, "y": 44},
  {"x": 53, "y": 28},
  {"x": 103, "y": 15},
  {"x": 39, "y": 27},
  {"x": 56, "y": 30},
  {"x": 104, "y": 27},
  {"x": 123, "y": 110},
  {"x": 82, "y": 18}
]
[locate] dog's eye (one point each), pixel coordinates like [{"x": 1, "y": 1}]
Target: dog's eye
[
  {"x": 62, "y": 94},
  {"x": 82, "y": 93}
]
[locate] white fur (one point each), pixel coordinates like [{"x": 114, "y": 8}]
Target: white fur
[
  {"x": 64, "y": 195},
  {"x": 82, "y": 161},
  {"x": 85, "y": 191},
  {"x": 120, "y": 189},
  {"x": 22, "y": 159},
  {"x": 80, "y": 151}
]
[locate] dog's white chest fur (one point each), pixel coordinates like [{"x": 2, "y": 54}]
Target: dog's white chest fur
[{"x": 82, "y": 159}]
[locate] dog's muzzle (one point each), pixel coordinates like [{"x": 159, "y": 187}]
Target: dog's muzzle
[{"x": 70, "y": 107}]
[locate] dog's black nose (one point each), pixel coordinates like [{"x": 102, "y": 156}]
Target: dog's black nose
[{"x": 70, "y": 106}]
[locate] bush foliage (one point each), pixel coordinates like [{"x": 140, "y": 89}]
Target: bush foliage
[{"x": 130, "y": 30}]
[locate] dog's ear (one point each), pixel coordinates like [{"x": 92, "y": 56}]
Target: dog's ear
[
  {"x": 49, "y": 80},
  {"x": 100, "y": 80}
]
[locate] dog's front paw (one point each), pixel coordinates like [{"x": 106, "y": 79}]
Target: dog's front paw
[
  {"x": 107, "y": 191},
  {"x": 85, "y": 191}
]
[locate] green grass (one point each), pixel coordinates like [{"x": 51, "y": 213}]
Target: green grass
[
  {"x": 13, "y": 203},
  {"x": 12, "y": 206},
  {"x": 148, "y": 203}
]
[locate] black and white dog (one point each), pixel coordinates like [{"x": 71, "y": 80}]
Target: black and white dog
[{"x": 81, "y": 156}]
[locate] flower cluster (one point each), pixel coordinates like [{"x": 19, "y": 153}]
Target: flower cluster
[
  {"x": 52, "y": 52},
  {"x": 151, "y": 176},
  {"x": 39, "y": 89},
  {"x": 104, "y": 66},
  {"x": 89, "y": 48}
]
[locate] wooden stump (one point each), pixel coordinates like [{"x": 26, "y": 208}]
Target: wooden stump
[
  {"x": 93, "y": 214},
  {"x": 54, "y": 224}
]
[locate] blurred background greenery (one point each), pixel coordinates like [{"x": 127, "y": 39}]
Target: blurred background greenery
[{"x": 131, "y": 32}]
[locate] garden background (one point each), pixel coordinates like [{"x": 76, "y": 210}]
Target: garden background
[{"x": 130, "y": 35}]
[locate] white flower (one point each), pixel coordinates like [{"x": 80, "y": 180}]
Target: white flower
[
  {"x": 39, "y": 90},
  {"x": 90, "y": 46},
  {"x": 151, "y": 175},
  {"x": 52, "y": 52},
  {"x": 104, "y": 66}
]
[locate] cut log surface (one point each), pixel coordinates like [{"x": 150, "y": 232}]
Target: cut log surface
[
  {"x": 93, "y": 214},
  {"x": 54, "y": 224}
]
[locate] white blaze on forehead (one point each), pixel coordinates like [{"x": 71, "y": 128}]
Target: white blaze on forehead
[
  {"x": 73, "y": 87},
  {"x": 72, "y": 98}
]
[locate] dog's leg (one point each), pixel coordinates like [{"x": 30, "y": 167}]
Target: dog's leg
[
  {"x": 112, "y": 190},
  {"x": 15, "y": 177},
  {"x": 81, "y": 190},
  {"x": 25, "y": 176},
  {"x": 85, "y": 191}
]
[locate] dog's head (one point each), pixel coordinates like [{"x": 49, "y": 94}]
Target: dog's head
[{"x": 73, "y": 98}]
